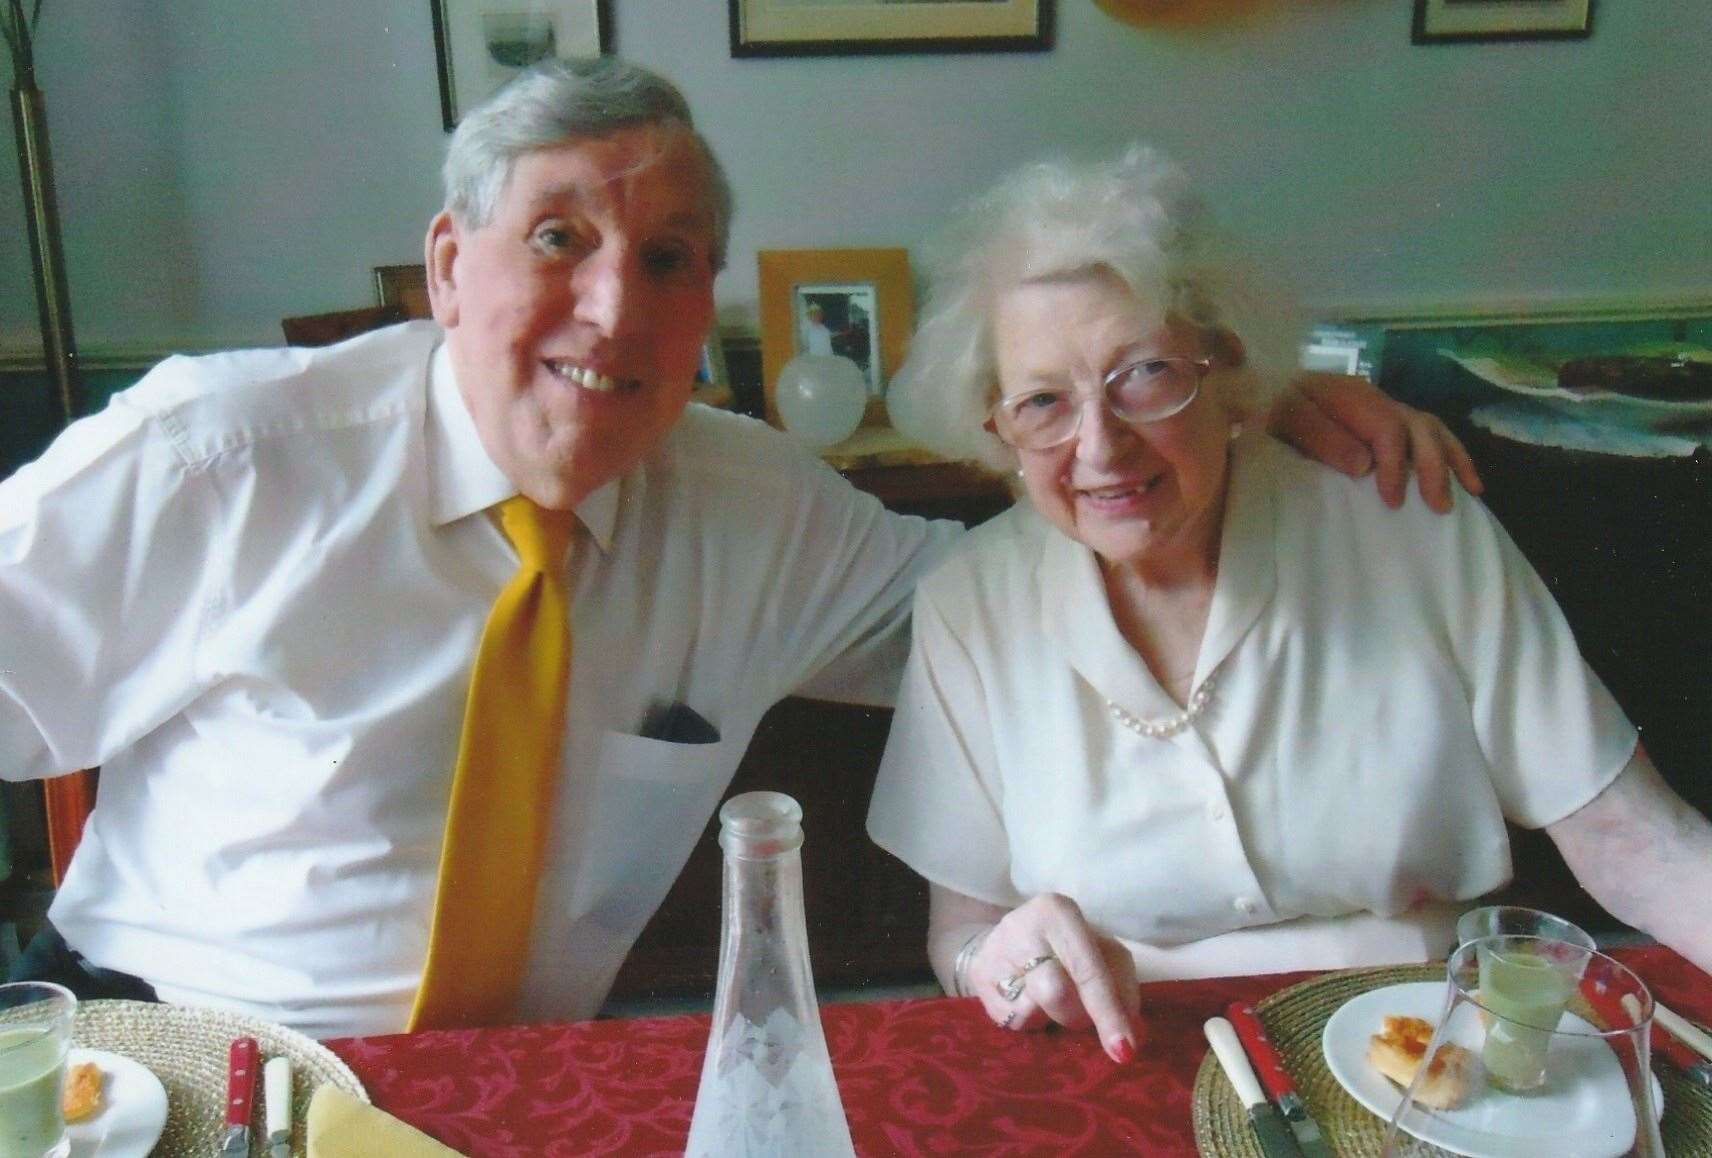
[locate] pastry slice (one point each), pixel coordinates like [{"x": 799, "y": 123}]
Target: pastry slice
[
  {"x": 82, "y": 1096},
  {"x": 1397, "y": 1050}
]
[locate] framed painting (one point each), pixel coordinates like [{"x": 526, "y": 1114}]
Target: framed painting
[
  {"x": 481, "y": 44},
  {"x": 856, "y": 303},
  {"x": 1454, "y": 21},
  {"x": 862, "y": 27}
]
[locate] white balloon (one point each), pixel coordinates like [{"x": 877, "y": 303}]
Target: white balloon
[{"x": 821, "y": 398}]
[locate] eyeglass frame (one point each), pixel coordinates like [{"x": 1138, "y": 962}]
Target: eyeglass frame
[{"x": 1201, "y": 366}]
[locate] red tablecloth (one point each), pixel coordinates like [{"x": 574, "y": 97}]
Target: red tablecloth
[{"x": 929, "y": 1076}]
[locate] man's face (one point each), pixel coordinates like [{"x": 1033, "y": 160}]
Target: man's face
[{"x": 575, "y": 316}]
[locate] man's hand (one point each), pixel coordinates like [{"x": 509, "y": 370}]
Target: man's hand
[
  {"x": 1060, "y": 970},
  {"x": 1354, "y": 427}
]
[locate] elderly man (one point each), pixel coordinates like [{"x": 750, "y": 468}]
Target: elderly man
[{"x": 254, "y": 590}]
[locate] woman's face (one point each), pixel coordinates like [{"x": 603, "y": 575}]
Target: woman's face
[{"x": 1150, "y": 496}]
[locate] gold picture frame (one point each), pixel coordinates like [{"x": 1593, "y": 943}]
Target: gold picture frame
[
  {"x": 866, "y": 299},
  {"x": 1460, "y": 21}
]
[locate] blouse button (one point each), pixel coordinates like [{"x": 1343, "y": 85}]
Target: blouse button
[
  {"x": 1216, "y": 811},
  {"x": 1244, "y": 905}
]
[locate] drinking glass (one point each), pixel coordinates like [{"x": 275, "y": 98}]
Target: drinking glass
[
  {"x": 1516, "y": 921},
  {"x": 35, "y": 1033},
  {"x": 1551, "y": 1081}
]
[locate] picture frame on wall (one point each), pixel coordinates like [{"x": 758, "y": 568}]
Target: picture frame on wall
[
  {"x": 481, "y": 44},
  {"x": 855, "y": 303},
  {"x": 858, "y": 28},
  {"x": 1460, "y": 21}
]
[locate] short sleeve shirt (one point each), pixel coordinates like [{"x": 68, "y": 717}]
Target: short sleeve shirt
[
  {"x": 1387, "y": 688},
  {"x": 251, "y": 590}
]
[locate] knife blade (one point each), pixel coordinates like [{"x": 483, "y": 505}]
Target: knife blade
[
  {"x": 240, "y": 1095},
  {"x": 1276, "y": 1080},
  {"x": 276, "y": 1099},
  {"x": 1270, "y": 1130}
]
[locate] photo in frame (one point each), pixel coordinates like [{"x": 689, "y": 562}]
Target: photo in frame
[
  {"x": 857, "y": 28},
  {"x": 404, "y": 286},
  {"x": 481, "y": 44},
  {"x": 711, "y": 371},
  {"x": 856, "y": 303},
  {"x": 1460, "y": 21}
]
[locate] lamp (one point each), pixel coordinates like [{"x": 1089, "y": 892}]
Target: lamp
[{"x": 41, "y": 207}]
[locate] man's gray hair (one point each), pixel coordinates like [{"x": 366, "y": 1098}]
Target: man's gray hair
[
  {"x": 1135, "y": 216},
  {"x": 566, "y": 100}
]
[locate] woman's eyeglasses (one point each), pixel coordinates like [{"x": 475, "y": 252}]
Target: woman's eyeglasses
[{"x": 1139, "y": 392}]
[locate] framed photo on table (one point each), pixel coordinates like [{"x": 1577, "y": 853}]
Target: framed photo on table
[
  {"x": 1453, "y": 21},
  {"x": 856, "y": 303},
  {"x": 863, "y": 27},
  {"x": 404, "y": 286},
  {"x": 481, "y": 44}
]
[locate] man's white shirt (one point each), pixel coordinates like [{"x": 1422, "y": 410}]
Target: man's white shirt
[{"x": 251, "y": 590}]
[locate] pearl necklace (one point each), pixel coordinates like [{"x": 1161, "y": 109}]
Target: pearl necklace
[{"x": 1163, "y": 729}]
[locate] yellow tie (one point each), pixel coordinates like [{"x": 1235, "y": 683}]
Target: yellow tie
[{"x": 502, "y": 792}]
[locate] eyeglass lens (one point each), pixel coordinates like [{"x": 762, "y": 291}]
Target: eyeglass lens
[{"x": 1144, "y": 391}]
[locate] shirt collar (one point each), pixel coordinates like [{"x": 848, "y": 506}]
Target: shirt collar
[
  {"x": 1076, "y": 612},
  {"x": 463, "y": 480}
]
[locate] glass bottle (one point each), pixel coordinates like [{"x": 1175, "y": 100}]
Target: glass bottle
[{"x": 766, "y": 1085}]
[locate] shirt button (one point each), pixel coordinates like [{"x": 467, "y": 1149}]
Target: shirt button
[
  {"x": 1216, "y": 811},
  {"x": 1244, "y": 905}
]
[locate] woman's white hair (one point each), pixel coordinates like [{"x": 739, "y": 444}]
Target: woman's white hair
[
  {"x": 564, "y": 100},
  {"x": 1135, "y": 216}
]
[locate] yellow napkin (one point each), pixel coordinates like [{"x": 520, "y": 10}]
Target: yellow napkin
[{"x": 342, "y": 1127}]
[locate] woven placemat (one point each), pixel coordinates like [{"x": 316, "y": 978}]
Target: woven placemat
[
  {"x": 186, "y": 1048},
  {"x": 1296, "y": 1017}
]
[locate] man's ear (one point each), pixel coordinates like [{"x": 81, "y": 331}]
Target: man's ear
[{"x": 440, "y": 252}]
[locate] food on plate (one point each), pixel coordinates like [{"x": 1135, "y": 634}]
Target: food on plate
[
  {"x": 83, "y": 1086},
  {"x": 1662, "y": 379},
  {"x": 1396, "y": 1051}
]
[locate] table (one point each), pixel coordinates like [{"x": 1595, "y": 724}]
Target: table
[{"x": 920, "y": 1076}]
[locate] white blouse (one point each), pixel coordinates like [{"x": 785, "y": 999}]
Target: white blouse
[{"x": 1387, "y": 688}]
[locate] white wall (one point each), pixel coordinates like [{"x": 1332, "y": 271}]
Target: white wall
[{"x": 223, "y": 163}]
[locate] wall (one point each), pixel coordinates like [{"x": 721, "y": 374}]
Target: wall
[{"x": 225, "y": 163}]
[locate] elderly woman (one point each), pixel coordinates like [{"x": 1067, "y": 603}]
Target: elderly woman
[{"x": 1196, "y": 705}]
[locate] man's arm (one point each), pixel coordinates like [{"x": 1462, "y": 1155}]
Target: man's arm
[
  {"x": 1354, "y": 427},
  {"x": 1646, "y": 855}
]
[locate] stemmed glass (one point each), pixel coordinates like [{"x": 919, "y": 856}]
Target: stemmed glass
[{"x": 1561, "y": 1036}]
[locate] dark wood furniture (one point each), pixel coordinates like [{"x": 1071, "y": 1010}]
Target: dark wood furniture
[{"x": 325, "y": 329}]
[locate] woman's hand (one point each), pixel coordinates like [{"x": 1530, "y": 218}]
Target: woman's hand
[
  {"x": 1354, "y": 427},
  {"x": 1059, "y": 970}
]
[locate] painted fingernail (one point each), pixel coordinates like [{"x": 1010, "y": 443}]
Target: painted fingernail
[{"x": 1121, "y": 1050}]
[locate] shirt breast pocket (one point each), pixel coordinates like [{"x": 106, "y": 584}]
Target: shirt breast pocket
[{"x": 634, "y": 824}]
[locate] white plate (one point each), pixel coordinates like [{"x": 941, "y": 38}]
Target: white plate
[
  {"x": 1587, "y": 1113},
  {"x": 133, "y": 1110}
]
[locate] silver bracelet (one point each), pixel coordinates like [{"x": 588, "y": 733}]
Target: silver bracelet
[{"x": 960, "y": 968}]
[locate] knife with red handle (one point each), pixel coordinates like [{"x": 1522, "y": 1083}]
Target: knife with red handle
[
  {"x": 1618, "y": 1012},
  {"x": 240, "y": 1095},
  {"x": 1276, "y": 1080}
]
